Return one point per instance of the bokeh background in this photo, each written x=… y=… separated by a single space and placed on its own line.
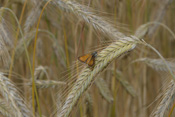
x=133 y=85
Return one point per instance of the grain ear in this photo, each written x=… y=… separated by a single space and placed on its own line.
x=87 y=75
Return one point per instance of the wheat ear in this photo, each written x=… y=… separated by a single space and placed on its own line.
x=33 y=16
x=104 y=89
x=161 y=12
x=90 y=17
x=42 y=84
x=157 y=64
x=87 y=75
x=5 y=109
x=11 y=94
x=167 y=101
x=127 y=86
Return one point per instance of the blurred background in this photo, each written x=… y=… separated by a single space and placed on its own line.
x=133 y=85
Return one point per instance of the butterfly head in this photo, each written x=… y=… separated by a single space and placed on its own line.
x=94 y=54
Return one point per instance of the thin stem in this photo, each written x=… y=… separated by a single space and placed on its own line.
x=148 y=45
x=34 y=91
x=16 y=40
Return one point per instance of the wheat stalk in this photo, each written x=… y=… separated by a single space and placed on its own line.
x=87 y=75
x=11 y=94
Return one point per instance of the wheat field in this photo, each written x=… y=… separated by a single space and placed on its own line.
x=87 y=58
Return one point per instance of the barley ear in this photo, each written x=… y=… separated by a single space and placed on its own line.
x=87 y=75
x=12 y=95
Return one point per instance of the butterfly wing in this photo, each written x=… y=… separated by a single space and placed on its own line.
x=91 y=61
x=88 y=59
x=85 y=58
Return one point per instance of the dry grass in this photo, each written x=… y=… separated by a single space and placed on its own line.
x=120 y=83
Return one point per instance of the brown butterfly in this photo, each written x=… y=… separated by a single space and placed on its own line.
x=88 y=59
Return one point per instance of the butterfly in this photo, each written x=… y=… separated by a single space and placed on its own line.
x=89 y=59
